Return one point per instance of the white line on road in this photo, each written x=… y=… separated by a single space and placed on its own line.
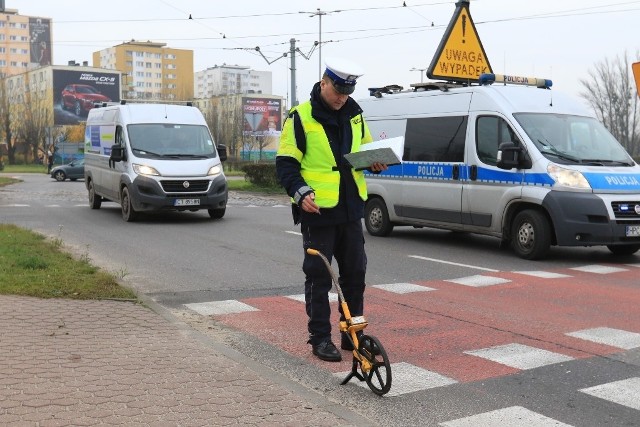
x=453 y=263
x=297 y=233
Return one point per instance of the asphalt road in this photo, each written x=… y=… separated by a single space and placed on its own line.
x=485 y=335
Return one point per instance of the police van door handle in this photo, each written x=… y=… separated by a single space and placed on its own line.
x=455 y=172
x=473 y=173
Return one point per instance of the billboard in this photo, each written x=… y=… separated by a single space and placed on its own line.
x=40 y=41
x=76 y=91
x=262 y=116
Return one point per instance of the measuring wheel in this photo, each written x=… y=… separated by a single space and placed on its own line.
x=373 y=365
x=379 y=376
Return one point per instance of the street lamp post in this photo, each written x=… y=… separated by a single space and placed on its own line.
x=319 y=13
x=422 y=70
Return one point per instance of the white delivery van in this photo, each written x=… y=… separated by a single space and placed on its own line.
x=150 y=157
x=525 y=164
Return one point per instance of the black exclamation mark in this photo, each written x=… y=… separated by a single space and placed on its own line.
x=464 y=26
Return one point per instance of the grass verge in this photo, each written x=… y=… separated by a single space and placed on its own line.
x=32 y=265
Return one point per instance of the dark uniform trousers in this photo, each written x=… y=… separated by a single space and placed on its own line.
x=345 y=243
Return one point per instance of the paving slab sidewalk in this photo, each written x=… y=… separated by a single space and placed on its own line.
x=68 y=362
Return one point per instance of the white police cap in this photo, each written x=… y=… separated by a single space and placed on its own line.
x=343 y=73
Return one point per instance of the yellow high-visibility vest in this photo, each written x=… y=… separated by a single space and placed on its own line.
x=318 y=165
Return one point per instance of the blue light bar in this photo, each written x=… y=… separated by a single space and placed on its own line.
x=487 y=79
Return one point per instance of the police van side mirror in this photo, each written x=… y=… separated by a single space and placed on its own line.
x=222 y=152
x=509 y=155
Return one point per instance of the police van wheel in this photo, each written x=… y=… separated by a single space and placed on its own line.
x=94 y=200
x=128 y=212
x=623 y=249
x=376 y=218
x=530 y=234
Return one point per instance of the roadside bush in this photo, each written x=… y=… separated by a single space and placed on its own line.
x=261 y=174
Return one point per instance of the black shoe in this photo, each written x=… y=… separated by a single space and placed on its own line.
x=327 y=351
x=345 y=343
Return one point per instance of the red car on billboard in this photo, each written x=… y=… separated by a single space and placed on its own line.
x=81 y=98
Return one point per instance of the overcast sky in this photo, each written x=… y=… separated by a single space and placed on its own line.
x=558 y=40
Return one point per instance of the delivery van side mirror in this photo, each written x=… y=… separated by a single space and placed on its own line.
x=509 y=155
x=222 y=152
x=117 y=154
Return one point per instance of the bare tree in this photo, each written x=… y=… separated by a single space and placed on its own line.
x=5 y=119
x=611 y=93
x=31 y=117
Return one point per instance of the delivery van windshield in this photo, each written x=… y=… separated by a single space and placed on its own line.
x=567 y=139
x=174 y=141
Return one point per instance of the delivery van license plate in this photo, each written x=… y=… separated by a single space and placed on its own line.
x=633 y=230
x=186 y=202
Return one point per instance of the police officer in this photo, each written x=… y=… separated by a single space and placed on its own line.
x=328 y=196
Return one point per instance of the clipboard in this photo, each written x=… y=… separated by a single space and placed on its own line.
x=387 y=151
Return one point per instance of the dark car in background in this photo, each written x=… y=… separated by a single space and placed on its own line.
x=81 y=98
x=72 y=171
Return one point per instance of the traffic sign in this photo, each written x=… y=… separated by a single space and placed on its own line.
x=460 y=56
x=636 y=73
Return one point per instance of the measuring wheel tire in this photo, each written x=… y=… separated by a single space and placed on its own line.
x=379 y=377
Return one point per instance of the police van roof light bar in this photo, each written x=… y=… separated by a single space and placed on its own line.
x=487 y=79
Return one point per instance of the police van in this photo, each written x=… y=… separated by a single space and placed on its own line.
x=506 y=157
x=151 y=157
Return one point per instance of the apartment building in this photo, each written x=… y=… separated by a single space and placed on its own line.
x=25 y=42
x=150 y=70
x=225 y=79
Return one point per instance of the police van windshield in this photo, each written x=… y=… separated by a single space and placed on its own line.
x=569 y=139
x=175 y=141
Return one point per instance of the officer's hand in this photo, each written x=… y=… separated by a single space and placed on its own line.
x=309 y=205
x=378 y=167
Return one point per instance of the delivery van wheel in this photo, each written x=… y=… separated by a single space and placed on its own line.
x=128 y=212
x=623 y=249
x=216 y=213
x=376 y=218
x=95 y=201
x=530 y=234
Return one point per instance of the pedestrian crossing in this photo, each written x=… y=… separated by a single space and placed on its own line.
x=441 y=333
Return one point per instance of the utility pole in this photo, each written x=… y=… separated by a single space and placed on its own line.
x=292 y=51
x=294 y=98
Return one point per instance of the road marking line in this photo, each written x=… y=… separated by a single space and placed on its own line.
x=599 y=269
x=623 y=392
x=220 y=307
x=297 y=233
x=453 y=263
x=403 y=288
x=609 y=336
x=520 y=356
x=512 y=416
x=543 y=274
x=407 y=378
x=479 y=281
x=333 y=297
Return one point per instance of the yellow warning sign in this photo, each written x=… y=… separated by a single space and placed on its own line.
x=636 y=74
x=460 y=56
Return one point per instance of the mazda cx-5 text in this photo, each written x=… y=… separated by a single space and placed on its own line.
x=81 y=98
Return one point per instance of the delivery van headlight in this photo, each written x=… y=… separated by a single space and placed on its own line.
x=567 y=177
x=215 y=170
x=145 y=170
